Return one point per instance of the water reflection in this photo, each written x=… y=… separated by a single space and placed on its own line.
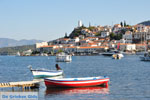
x=19 y=95
x=82 y=90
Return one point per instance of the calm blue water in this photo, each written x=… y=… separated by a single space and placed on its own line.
x=129 y=77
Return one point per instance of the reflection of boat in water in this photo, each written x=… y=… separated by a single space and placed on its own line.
x=19 y=95
x=140 y=53
x=117 y=56
x=62 y=57
x=77 y=82
x=81 y=90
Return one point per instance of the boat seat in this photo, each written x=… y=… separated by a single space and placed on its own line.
x=75 y=79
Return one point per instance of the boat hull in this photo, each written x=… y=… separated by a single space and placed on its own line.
x=43 y=74
x=107 y=54
x=76 y=82
x=63 y=58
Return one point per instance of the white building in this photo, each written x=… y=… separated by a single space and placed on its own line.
x=38 y=45
x=130 y=47
x=141 y=28
x=79 y=23
x=90 y=34
x=108 y=28
x=104 y=34
x=148 y=36
x=73 y=41
x=116 y=28
x=128 y=37
x=127 y=47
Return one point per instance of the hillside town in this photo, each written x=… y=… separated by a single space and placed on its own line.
x=97 y=39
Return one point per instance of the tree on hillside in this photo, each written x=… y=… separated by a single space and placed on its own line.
x=65 y=35
x=91 y=28
x=98 y=34
x=76 y=32
x=125 y=24
x=112 y=36
x=123 y=31
x=115 y=37
x=121 y=24
x=118 y=36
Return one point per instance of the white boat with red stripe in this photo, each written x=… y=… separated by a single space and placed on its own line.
x=77 y=82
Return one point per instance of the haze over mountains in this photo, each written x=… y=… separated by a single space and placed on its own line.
x=6 y=42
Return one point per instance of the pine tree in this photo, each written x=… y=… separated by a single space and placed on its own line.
x=89 y=24
x=65 y=35
x=125 y=24
x=121 y=24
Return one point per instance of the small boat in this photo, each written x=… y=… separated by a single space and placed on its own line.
x=18 y=54
x=117 y=56
x=43 y=54
x=146 y=57
x=110 y=53
x=42 y=73
x=62 y=57
x=77 y=82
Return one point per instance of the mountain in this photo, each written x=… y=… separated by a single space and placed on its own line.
x=5 y=42
x=146 y=23
x=14 y=50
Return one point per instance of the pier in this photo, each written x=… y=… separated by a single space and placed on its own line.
x=23 y=84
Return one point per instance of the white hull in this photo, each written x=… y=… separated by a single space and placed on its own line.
x=63 y=58
x=44 y=73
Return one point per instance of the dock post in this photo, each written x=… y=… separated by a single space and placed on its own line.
x=22 y=88
x=12 y=88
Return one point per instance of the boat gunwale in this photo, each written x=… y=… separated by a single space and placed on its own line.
x=78 y=79
x=52 y=71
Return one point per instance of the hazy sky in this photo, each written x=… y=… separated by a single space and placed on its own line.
x=50 y=19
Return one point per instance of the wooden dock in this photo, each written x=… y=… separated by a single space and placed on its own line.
x=23 y=84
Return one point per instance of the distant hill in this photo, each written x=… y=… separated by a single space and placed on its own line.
x=5 y=42
x=14 y=50
x=146 y=23
x=76 y=32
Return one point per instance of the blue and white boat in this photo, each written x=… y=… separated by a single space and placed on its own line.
x=42 y=73
x=146 y=57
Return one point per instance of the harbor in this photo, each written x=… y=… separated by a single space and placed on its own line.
x=128 y=76
x=74 y=50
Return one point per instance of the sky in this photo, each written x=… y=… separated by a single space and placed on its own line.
x=51 y=19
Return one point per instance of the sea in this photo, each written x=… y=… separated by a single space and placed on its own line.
x=129 y=77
